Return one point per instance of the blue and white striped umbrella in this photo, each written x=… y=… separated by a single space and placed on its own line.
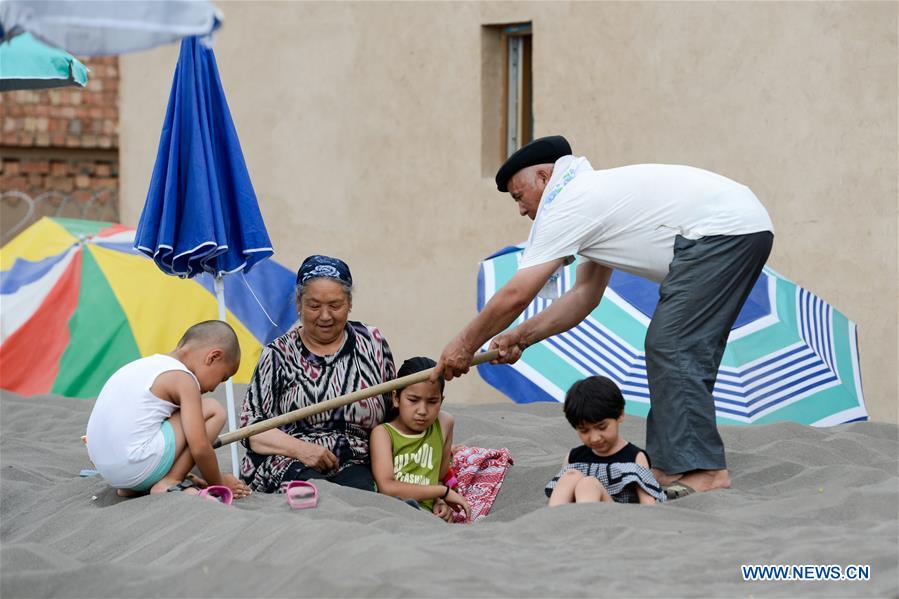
x=790 y=355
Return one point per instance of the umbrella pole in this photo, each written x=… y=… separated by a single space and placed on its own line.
x=229 y=384
x=343 y=400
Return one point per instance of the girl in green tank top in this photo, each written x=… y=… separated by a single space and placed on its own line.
x=410 y=455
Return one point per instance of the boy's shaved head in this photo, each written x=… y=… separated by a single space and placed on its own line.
x=213 y=333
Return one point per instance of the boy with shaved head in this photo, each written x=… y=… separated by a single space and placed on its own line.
x=151 y=425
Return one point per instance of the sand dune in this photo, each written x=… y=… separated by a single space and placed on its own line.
x=800 y=496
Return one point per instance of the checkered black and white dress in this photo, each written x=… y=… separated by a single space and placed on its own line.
x=619 y=473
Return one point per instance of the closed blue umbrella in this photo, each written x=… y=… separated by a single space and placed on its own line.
x=201 y=213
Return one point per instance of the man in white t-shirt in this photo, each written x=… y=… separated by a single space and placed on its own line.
x=703 y=237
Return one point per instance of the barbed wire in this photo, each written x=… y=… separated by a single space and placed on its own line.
x=24 y=210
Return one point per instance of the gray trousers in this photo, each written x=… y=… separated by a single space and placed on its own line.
x=699 y=301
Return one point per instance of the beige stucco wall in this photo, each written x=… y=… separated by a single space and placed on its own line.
x=362 y=128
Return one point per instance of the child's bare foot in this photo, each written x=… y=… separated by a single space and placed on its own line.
x=126 y=493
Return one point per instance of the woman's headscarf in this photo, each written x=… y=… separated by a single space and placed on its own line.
x=318 y=266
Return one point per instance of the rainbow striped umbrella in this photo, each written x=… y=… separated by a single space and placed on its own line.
x=79 y=302
x=790 y=356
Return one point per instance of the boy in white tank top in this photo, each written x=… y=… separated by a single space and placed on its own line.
x=150 y=425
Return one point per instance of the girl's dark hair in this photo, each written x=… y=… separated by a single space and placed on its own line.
x=593 y=399
x=417 y=364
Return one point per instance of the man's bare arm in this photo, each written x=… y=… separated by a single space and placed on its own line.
x=502 y=309
x=563 y=314
x=572 y=308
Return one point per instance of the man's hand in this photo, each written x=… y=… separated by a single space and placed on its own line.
x=501 y=311
x=237 y=486
x=454 y=361
x=316 y=456
x=510 y=346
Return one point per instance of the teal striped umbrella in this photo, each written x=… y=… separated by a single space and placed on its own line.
x=26 y=63
x=790 y=355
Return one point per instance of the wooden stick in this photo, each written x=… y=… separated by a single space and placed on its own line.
x=337 y=402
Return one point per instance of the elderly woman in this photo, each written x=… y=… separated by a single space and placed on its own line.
x=322 y=357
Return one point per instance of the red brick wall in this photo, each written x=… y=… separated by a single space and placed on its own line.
x=63 y=140
x=71 y=175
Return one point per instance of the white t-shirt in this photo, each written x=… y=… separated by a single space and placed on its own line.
x=124 y=436
x=627 y=218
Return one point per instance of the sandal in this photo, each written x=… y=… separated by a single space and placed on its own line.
x=677 y=490
x=218 y=493
x=301 y=494
x=182 y=486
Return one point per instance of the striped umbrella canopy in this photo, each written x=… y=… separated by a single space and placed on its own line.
x=79 y=302
x=790 y=355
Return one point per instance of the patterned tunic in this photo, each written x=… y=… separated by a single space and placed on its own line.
x=289 y=377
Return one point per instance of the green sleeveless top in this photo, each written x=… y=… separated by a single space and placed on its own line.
x=416 y=458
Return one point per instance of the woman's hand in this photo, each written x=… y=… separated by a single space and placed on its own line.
x=442 y=510
x=237 y=486
x=457 y=502
x=316 y=456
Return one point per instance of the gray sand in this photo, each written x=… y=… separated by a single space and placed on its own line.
x=800 y=496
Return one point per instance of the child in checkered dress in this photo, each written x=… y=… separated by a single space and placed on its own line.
x=606 y=467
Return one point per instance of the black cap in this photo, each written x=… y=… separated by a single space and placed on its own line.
x=543 y=150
